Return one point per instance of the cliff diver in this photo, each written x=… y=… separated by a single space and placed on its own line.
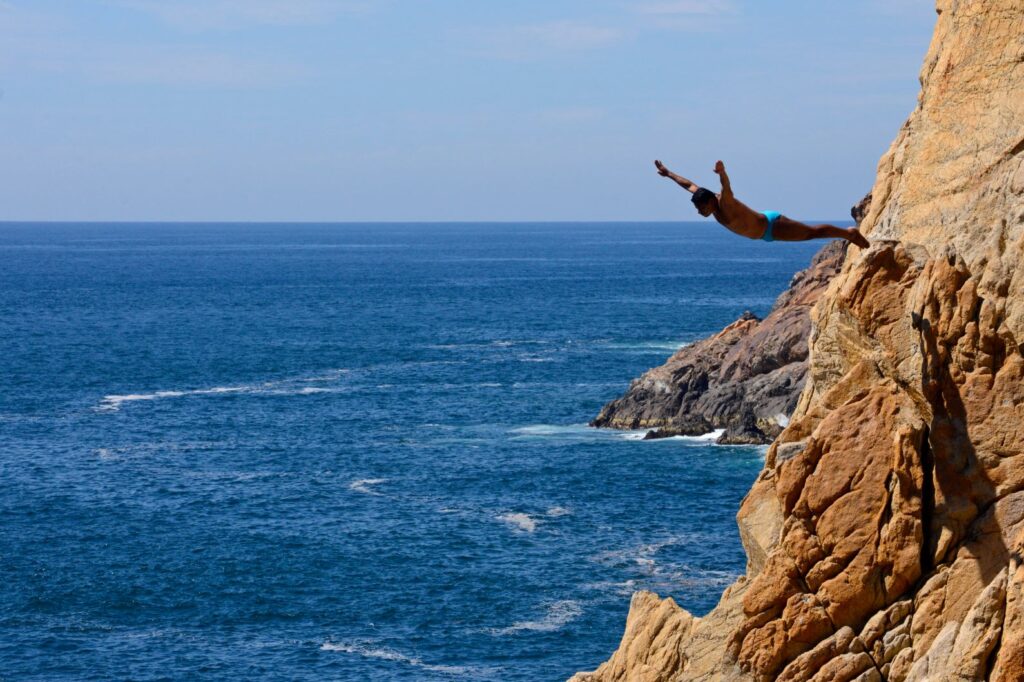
x=745 y=221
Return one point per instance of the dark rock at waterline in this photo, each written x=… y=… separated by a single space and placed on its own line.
x=746 y=379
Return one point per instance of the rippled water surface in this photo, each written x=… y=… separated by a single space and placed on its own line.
x=353 y=452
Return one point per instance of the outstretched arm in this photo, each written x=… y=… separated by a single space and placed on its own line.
x=678 y=179
x=726 y=185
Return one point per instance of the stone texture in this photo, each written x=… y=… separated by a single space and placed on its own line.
x=885 y=535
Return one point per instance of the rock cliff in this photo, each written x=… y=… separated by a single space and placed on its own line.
x=885 y=535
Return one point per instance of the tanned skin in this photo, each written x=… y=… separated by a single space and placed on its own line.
x=745 y=221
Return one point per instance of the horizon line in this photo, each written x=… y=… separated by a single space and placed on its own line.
x=371 y=222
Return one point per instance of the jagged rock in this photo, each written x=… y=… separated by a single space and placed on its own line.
x=892 y=505
x=654 y=626
x=746 y=379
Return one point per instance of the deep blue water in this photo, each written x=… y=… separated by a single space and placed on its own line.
x=353 y=452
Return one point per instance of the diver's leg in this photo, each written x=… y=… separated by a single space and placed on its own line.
x=789 y=230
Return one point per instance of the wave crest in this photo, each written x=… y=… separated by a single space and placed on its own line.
x=559 y=614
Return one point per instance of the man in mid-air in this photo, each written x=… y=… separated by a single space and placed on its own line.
x=743 y=220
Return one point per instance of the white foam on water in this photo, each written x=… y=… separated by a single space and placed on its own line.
x=657 y=345
x=640 y=555
x=632 y=435
x=555 y=512
x=330 y=375
x=112 y=403
x=659 y=576
x=556 y=431
x=386 y=654
x=623 y=588
x=711 y=437
x=535 y=358
x=296 y=386
x=590 y=433
x=691 y=577
x=521 y=521
x=308 y=390
x=364 y=485
x=559 y=614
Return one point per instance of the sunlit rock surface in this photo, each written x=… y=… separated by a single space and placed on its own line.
x=885 y=535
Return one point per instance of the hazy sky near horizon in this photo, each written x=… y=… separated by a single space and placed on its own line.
x=365 y=110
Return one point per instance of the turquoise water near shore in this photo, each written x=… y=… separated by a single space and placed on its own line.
x=353 y=451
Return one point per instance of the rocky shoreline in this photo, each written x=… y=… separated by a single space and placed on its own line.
x=746 y=379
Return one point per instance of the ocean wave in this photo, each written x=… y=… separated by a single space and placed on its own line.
x=555 y=512
x=385 y=654
x=710 y=437
x=637 y=555
x=558 y=615
x=523 y=522
x=659 y=576
x=555 y=431
x=295 y=386
x=646 y=347
x=585 y=432
x=365 y=486
x=622 y=588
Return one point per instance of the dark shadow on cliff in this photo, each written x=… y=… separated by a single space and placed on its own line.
x=958 y=496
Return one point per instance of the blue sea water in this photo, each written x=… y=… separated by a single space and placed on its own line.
x=353 y=452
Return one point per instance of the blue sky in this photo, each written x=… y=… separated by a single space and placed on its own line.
x=353 y=110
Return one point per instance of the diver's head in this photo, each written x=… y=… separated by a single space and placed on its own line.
x=705 y=201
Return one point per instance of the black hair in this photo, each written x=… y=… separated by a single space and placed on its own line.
x=701 y=196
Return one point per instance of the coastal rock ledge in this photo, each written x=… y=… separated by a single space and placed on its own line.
x=746 y=379
x=885 y=535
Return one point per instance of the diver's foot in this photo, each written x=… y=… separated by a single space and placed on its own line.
x=662 y=171
x=857 y=238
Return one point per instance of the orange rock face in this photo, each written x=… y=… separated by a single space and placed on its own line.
x=885 y=535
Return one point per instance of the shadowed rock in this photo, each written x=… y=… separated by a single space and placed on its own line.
x=746 y=379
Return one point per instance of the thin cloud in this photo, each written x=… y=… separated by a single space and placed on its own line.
x=685 y=15
x=194 y=68
x=171 y=66
x=687 y=8
x=544 y=40
x=202 y=15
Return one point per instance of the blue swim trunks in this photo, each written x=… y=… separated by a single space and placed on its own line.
x=772 y=216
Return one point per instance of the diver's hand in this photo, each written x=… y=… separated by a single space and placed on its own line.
x=719 y=167
x=662 y=171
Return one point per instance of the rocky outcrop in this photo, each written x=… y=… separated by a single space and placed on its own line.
x=885 y=535
x=746 y=379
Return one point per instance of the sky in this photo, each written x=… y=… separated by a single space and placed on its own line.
x=446 y=110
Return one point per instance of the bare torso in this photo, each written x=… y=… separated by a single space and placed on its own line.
x=740 y=218
x=737 y=217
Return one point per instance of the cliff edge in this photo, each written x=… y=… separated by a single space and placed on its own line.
x=885 y=535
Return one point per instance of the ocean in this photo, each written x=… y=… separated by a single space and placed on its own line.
x=354 y=452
